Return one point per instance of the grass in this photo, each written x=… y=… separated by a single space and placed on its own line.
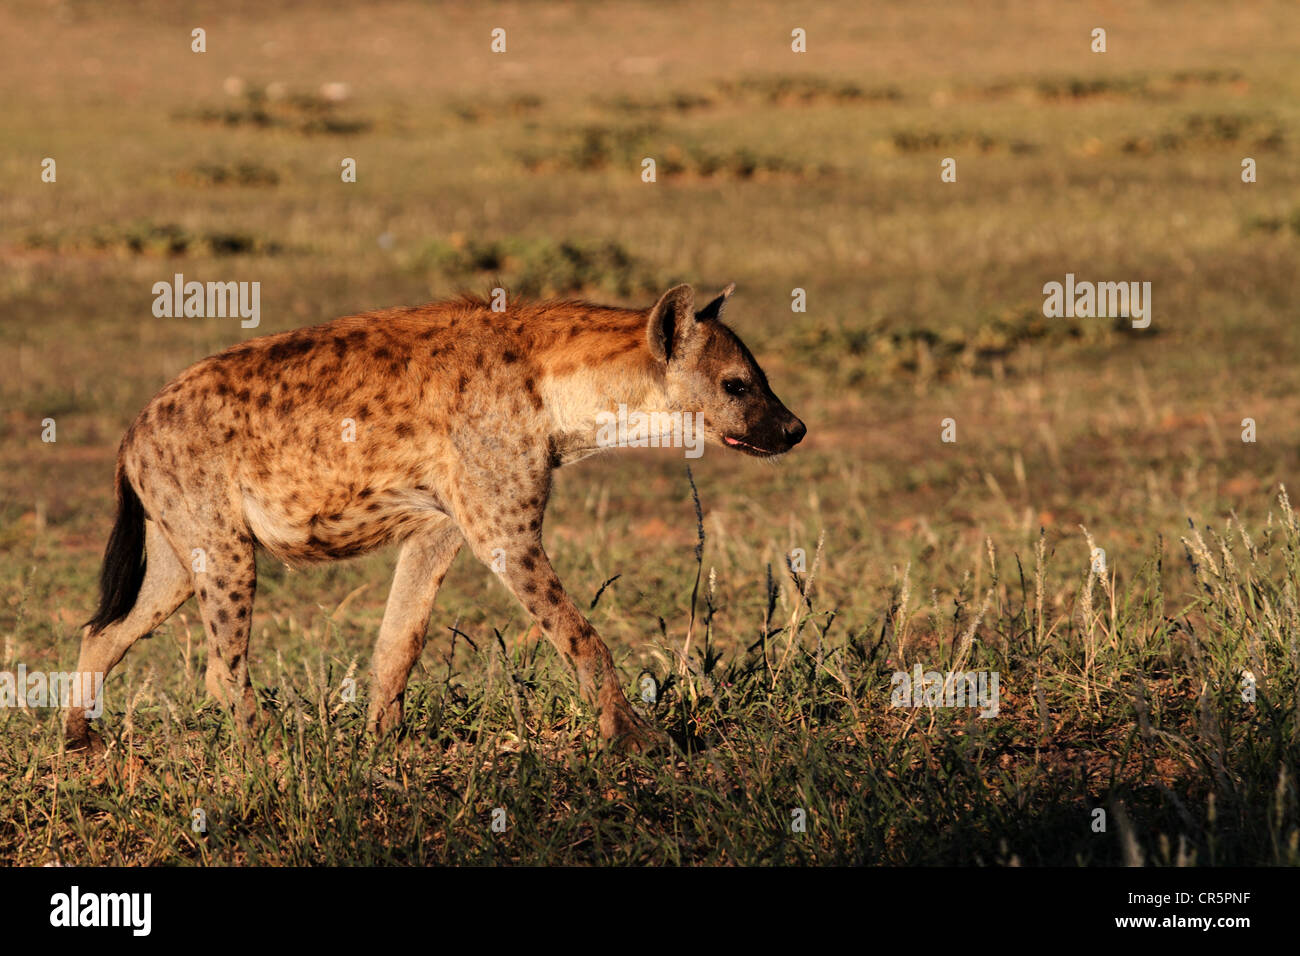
x=875 y=547
x=1123 y=702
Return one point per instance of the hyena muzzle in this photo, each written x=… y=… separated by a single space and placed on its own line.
x=431 y=427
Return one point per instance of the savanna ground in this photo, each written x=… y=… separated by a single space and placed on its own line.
x=1121 y=690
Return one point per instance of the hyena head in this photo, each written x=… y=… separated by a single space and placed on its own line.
x=708 y=370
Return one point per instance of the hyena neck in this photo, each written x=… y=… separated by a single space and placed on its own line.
x=612 y=373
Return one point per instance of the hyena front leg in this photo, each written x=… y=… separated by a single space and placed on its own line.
x=421 y=566
x=166 y=587
x=505 y=534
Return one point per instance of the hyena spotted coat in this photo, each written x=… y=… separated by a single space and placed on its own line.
x=431 y=427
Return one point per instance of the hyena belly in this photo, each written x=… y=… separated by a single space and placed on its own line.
x=361 y=525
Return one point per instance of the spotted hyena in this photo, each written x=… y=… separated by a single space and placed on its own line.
x=431 y=427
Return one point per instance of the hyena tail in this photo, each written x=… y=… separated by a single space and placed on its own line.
x=123 y=570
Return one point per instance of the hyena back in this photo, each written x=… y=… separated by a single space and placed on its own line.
x=434 y=427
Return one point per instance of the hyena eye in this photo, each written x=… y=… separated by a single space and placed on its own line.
x=733 y=386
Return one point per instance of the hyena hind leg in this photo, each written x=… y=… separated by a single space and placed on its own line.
x=226 y=586
x=166 y=586
x=421 y=567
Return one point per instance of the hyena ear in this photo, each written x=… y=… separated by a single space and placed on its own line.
x=713 y=310
x=671 y=321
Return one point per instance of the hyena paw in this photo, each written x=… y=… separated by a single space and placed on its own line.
x=84 y=742
x=383 y=721
x=631 y=734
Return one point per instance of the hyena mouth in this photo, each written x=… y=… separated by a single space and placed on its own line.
x=747 y=447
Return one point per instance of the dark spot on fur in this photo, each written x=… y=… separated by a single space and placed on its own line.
x=287 y=349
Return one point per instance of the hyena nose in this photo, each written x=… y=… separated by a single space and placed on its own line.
x=795 y=431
